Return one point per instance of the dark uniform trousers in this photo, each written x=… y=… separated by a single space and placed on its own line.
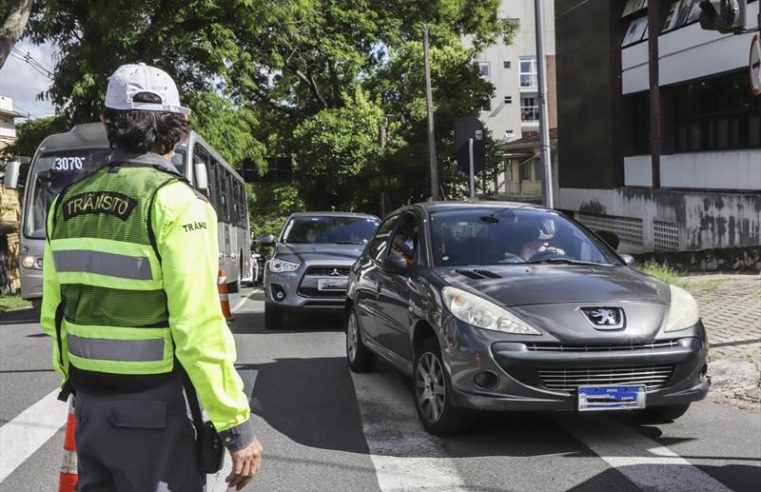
x=137 y=442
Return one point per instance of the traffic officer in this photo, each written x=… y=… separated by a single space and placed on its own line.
x=130 y=296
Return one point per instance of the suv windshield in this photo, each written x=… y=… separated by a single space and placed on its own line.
x=50 y=173
x=329 y=229
x=490 y=236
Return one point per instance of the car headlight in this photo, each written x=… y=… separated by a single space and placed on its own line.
x=479 y=312
x=683 y=311
x=279 y=266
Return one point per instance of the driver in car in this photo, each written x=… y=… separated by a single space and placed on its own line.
x=542 y=234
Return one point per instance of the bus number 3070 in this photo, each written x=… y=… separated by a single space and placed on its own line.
x=68 y=163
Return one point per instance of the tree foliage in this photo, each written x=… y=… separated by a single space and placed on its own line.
x=337 y=83
x=14 y=14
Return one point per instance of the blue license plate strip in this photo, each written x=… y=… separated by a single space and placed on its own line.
x=596 y=398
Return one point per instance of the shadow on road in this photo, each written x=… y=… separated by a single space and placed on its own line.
x=20 y=316
x=253 y=323
x=311 y=401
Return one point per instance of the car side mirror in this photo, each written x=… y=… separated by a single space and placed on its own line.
x=628 y=260
x=12 y=170
x=395 y=264
x=610 y=237
x=268 y=240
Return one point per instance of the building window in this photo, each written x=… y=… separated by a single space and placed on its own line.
x=509 y=135
x=506 y=64
x=486 y=106
x=508 y=99
x=525 y=171
x=682 y=13
x=716 y=114
x=484 y=70
x=528 y=72
x=529 y=109
x=637 y=31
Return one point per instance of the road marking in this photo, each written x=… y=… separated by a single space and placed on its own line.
x=644 y=462
x=24 y=435
x=243 y=301
x=396 y=439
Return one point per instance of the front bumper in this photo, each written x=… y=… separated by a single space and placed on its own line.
x=527 y=375
x=300 y=293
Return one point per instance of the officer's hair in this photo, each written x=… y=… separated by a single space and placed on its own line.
x=143 y=131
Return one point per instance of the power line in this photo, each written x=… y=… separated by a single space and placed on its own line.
x=36 y=66
x=29 y=55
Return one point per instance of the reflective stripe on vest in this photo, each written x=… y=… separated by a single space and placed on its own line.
x=116 y=350
x=110 y=349
x=113 y=265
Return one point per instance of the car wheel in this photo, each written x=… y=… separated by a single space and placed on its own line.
x=359 y=357
x=433 y=393
x=273 y=318
x=663 y=415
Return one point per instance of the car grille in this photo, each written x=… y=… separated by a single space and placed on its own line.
x=327 y=271
x=555 y=347
x=652 y=377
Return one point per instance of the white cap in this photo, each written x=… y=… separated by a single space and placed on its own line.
x=130 y=80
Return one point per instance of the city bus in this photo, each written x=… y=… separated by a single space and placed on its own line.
x=65 y=157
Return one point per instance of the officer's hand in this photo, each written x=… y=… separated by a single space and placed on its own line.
x=246 y=462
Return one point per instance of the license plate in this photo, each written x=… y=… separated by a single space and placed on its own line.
x=593 y=398
x=333 y=284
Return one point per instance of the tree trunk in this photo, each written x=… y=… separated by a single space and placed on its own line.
x=13 y=26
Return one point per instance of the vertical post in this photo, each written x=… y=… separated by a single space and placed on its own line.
x=472 y=170
x=544 y=129
x=654 y=29
x=429 y=103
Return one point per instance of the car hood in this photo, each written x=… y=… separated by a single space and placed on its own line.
x=519 y=285
x=320 y=251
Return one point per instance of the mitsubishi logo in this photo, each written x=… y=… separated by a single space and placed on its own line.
x=605 y=318
x=335 y=273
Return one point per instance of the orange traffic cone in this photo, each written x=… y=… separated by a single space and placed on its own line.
x=224 y=300
x=68 y=476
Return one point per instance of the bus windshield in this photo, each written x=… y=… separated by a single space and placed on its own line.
x=49 y=174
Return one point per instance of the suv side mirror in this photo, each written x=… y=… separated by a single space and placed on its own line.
x=610 y=237
x=725 y=16
x=628 y=260
x=12 y=170
x=395 y=264
x=268 y=240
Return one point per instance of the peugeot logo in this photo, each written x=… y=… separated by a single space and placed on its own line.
x=605 y=318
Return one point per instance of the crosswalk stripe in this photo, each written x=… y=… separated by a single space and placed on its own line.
x=32 y=428
x=644 y=462
x=405 y=456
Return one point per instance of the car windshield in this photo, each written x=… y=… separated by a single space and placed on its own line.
x=329 y=229
x=491 y=236
x=51 y=172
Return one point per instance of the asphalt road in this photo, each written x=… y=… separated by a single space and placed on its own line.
x=325 y=429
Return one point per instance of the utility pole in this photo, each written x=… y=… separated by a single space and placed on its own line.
x=429 y=102
x=544 y=129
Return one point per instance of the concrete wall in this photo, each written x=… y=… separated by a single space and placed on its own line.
x=702 y=219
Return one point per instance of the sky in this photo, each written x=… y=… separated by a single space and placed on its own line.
x=22 y=83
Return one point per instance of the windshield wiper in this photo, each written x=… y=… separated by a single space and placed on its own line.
x=349 y=242
x=568 y=261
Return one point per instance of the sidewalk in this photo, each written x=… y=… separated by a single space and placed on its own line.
x=731 y=309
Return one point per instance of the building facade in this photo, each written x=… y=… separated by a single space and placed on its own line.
x=7 y=123
x=513 y=113
x=662 y=134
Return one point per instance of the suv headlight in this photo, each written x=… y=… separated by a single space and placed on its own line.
x=32 y=262
x=280 y=266
x=683 y=310
x=479 y=312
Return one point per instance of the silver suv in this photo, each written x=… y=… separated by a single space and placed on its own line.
x=309 y=269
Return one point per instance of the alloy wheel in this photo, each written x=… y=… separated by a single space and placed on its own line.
x=430 y=387
x=352 y=336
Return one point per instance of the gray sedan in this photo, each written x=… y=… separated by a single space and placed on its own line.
x=500 y=306
x=310 y=267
